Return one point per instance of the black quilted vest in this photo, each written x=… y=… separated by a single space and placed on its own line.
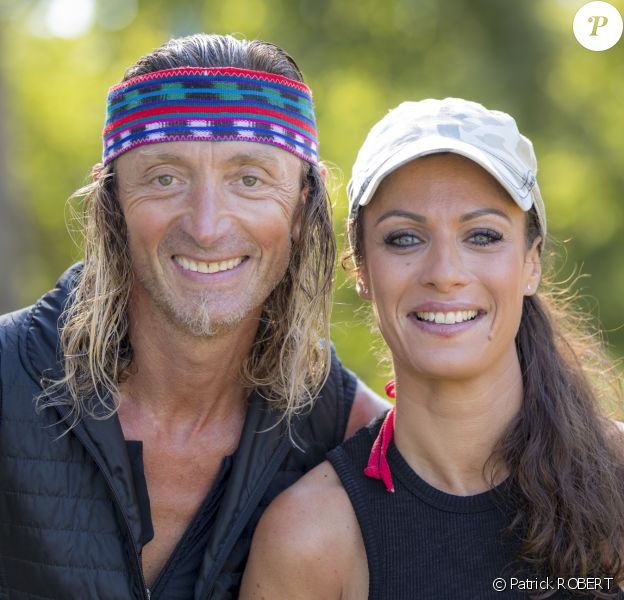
x=70 y=526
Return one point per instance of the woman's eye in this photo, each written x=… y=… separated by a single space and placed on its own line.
x=485 y=237
x=402 y=239
x=249 y=180
x=165 y=180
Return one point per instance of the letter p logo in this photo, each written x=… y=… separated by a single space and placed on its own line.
x=598 y=22
x=597 y=26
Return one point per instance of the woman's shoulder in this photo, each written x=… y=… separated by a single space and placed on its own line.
x=317 y=502
x=308 y=532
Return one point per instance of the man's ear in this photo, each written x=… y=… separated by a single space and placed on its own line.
x=295 y=230
x=303 y=198
x=532 y=268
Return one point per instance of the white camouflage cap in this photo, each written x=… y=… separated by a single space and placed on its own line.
x=415 y=129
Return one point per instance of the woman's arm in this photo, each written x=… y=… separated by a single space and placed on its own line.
x=308 y=545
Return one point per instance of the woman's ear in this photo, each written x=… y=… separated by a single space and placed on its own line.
x=361 y=284
x=533 y=268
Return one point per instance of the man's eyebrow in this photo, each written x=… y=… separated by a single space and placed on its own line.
x=402 y=213
x=475 y=214
x=159 y=154
x=241 y=158
x=259 y=157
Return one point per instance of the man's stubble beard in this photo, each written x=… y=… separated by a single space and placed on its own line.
x=194 y=317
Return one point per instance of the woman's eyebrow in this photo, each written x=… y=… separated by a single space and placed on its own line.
x=482 y=212
x=402 y=213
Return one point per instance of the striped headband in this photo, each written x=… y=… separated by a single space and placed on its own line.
x=222 y=103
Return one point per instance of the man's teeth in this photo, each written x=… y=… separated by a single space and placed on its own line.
x=208 y=267
x=448 y=318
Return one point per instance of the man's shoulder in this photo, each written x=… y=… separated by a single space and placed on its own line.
x=327 y=419
x=346 y=402
x=59 y=292
x=340 y=382
x=34 y=329
x=10 y=325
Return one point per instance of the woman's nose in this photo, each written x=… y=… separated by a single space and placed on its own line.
x=444 y=267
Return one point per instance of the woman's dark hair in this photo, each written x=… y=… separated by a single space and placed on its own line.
x=564 y=456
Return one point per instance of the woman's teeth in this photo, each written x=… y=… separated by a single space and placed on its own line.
x=447 y=318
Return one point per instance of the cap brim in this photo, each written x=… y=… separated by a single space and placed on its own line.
x=436 y=145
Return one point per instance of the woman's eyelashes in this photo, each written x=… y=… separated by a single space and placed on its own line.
x=407 y=239
x=402 y=239
x=485 y=237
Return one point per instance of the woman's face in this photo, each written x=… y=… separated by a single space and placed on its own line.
x=446 y=265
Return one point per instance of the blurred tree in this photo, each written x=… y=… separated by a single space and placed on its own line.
x=13 y=235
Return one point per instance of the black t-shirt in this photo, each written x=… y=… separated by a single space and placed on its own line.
x=424 y=543
x=177 y=579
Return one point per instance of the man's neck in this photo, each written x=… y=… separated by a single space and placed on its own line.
x=181 y=379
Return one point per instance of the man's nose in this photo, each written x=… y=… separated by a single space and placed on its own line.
x=444 y=266
x=208 y=217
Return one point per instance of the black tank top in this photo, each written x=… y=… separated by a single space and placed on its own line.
x=422 y=543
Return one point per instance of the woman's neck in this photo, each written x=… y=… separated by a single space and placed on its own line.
x=447 y=430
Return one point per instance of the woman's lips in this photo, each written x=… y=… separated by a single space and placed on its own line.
x=446 y=323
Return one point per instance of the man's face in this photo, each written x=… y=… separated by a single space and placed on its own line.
x=209 y=228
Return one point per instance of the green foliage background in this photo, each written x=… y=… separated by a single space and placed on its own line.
x=360 y=58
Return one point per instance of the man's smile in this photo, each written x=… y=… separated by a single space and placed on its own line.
x=200 y=266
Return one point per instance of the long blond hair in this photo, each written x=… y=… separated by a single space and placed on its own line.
x=290 y=358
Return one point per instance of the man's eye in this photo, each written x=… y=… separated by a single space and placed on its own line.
x=165 y=180
x=249 y=180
